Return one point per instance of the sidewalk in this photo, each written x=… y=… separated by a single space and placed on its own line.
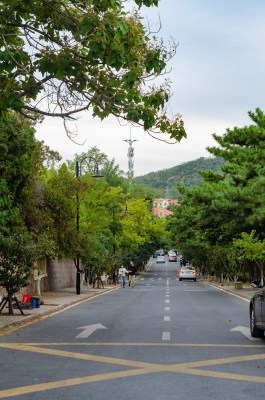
x=247 y=292
x=53 y=301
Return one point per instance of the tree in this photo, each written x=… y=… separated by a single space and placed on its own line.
x=17 y=256
x=17 y=145
x=113 y=176
x=253 y=249
x=34 y=213
x=108 y=234
x=59 y=58
x=9 y=215
x=225 y=205
x=16 y=248
x=59 y=209
x=19 y=249
x=243 y=149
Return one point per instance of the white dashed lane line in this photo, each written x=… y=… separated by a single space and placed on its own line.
x=166 y=336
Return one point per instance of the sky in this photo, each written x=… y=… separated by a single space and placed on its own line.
x=217 y=76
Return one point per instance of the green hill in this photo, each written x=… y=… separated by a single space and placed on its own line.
x=185 y=174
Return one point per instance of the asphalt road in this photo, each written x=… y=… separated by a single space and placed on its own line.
x=163 y=339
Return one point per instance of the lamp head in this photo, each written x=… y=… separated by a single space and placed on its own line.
x=97 y=175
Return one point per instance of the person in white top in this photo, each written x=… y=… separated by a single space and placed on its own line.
x=122 y=272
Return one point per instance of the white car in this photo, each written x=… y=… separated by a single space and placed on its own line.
x=172 y=257
x=187 y=273
x=160 y=259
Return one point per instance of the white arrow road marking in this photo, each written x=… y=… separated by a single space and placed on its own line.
x=245 y=331
x=88 y=330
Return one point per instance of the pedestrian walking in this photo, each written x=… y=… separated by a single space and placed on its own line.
x=132 y=273
x=122 y=274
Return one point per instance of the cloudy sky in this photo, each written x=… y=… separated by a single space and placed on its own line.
x=218 y=75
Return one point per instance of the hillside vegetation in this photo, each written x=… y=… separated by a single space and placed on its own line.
x=185 y=174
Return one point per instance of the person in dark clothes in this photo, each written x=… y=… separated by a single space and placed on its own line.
x=132 y=273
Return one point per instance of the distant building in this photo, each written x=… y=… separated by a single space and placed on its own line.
x=160 y=207
x=161 y=212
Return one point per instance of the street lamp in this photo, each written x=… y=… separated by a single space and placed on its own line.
x=97 y=176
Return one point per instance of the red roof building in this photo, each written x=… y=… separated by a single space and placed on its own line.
x=161 y=212
x=165 y=202
x=160 y=207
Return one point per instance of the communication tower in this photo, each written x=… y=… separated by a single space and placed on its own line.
x=130 y=154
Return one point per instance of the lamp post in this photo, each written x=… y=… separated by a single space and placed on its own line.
x=97 y=176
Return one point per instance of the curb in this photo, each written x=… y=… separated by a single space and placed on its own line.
x=237 y=294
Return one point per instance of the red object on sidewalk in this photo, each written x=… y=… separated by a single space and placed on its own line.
x=26 y=298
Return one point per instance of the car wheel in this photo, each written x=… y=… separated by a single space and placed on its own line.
x=255 y=332
x=194 y=279
x=180 y=279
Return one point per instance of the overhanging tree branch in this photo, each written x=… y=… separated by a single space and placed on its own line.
x=81 y=55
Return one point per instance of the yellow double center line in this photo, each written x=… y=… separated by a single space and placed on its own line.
x=141 y=367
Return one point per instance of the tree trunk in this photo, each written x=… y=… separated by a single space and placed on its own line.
x=38 y=289
x=261 y=277
x=82 y=279
x=10 y=305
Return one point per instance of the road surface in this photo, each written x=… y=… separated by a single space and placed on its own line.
x=162 y=339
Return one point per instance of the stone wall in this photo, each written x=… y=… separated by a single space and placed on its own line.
x=61 y=273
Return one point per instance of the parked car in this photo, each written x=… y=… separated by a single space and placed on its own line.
x=160 y=259
x=187 y=273
x=257 y=313
x=156 y=254
x=172 y=257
